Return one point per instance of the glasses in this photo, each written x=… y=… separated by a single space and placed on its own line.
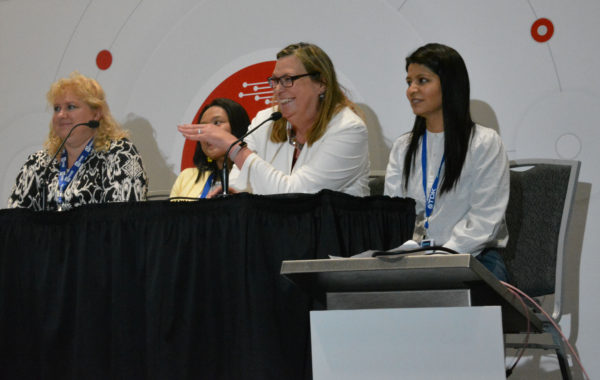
x=286 y=80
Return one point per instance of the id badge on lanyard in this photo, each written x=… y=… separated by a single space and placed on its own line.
x=65 y=177
x=207 y=185
x=429 y=198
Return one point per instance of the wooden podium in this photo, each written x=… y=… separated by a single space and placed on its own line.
x=438 y=316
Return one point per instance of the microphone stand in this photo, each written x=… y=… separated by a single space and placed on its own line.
x=44 y=181
x=225 y=171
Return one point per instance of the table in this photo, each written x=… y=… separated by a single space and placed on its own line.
x=175 y=290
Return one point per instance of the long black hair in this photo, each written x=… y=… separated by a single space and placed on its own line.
x=449 y=66
x=238 y=121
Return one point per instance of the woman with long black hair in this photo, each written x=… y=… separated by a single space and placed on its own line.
x=457 y=171
x=197 y=182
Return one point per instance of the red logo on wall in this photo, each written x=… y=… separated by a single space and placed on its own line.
x=248 y=86
x=542 y=30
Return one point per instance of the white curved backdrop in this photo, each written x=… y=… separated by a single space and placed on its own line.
x=168 y=56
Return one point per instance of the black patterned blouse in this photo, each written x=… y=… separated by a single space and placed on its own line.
x=114 y=175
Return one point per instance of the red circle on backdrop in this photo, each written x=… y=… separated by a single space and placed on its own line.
x=248 y=87
x=536 y=26
x=104 y=59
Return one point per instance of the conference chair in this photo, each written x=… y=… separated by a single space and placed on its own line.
x=539 y=208
x=158 y=195
x=377 y=182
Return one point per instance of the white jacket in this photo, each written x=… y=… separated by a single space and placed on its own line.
x=339 y=160
x=471 y=216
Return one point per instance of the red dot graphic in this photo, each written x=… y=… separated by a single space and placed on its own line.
x=104 y=59
x=544 y=26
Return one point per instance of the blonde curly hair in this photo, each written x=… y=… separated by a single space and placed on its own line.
x=90 y=92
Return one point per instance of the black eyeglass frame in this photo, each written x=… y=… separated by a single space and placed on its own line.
x=287 y=79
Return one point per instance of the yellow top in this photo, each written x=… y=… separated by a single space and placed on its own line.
x=185 y=185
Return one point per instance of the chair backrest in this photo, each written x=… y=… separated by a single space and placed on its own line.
x=158 y=195
x=537 y=217
x=376 y=184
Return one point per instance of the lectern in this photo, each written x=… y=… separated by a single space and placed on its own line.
x=439 y=316
x=437 y=280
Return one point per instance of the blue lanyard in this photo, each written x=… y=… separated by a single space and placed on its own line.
x=64 y=181
x=207 y=185
x=429 y=200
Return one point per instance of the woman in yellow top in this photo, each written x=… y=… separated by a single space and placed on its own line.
x=208 y=159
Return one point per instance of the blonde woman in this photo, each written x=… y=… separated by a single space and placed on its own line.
x=95 y=165
x=319 y=143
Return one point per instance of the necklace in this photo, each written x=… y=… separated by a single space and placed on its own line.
x=292 y=138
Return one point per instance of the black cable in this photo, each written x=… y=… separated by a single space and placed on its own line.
x=420 y=249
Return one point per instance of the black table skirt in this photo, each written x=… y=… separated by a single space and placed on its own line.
x=175 y=290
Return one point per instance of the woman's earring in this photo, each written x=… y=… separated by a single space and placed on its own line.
x=209 y=159
x=322 y=96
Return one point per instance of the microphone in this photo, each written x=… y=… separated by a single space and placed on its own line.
x=44 y=181
x=92 y=124
x=224 y=173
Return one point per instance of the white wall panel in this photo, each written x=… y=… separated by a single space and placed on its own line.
x=168 y=56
